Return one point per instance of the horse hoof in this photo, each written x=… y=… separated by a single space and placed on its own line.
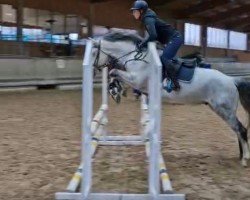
x=248 y=155
x=244 y=162
x=124 y=93
x=137 y=97
x=118 y=99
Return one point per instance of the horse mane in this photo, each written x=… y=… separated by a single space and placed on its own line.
x=115 y=36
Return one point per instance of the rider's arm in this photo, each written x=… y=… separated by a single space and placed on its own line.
x=149 y=23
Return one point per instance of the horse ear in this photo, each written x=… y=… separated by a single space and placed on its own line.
x=95 y=42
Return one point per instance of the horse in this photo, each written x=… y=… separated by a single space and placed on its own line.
x=220 y=92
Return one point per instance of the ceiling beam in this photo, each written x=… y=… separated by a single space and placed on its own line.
x=101 y=1
x=223 y=16
x=241 y=27
x=78 y=7
x=156 y=3
x=203 y=6
x=9 y=2
x=231 y=21
x=240 y=21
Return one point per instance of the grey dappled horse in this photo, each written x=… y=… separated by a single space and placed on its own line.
x=208 y=86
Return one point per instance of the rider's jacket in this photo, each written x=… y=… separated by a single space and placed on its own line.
x=158 y=30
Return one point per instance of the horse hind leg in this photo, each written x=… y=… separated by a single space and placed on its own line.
x=241 y=149
x=241 y=132
x=248 y=125
x=244 y=141
x=228 y=114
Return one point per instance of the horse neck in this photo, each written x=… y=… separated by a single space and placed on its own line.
x=120 y=50
x=117 y=49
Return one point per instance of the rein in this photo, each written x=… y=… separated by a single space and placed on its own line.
x=112 y=61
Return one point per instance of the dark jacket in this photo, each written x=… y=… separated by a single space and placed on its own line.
x=157 y=29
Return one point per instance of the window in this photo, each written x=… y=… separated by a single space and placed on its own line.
x=217 y=38
x=237 y=40
x=8 y=33
x=73 y=36
x=32 y=35
x=59 y=39
x=192 y=34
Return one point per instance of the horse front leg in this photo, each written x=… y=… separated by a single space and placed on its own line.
x=116 y=85
x=123 y=76
x=115 y=90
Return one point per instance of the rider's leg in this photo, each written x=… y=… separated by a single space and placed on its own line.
x=172 y=73
x=169 y=53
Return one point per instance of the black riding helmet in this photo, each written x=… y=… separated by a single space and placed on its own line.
x=140 y=5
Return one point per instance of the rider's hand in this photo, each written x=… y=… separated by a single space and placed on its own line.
x=139 y=46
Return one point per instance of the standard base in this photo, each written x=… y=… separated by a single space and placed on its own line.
x=108 y=196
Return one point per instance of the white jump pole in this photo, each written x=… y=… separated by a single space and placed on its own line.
x=97 y=130
x=87 y=109
x=105 y=96
x=154 y=88
x=105 y=86
x=144 y=116
x=153 y=148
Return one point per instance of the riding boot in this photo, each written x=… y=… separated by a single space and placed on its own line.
x=172 y=71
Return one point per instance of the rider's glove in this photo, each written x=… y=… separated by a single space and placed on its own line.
x=140 y=46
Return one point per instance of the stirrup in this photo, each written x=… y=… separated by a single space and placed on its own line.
x=168 y=85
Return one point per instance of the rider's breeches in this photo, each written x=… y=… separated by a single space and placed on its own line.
x=169 y=52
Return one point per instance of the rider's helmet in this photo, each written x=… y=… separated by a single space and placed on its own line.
x=140 y=5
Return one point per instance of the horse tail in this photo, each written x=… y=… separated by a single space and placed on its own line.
x=243 y=87
x=248 y=126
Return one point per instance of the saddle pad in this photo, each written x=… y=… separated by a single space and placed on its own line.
x=185 y=74
x=205 y=65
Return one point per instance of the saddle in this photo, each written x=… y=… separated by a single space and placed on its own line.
x=191 y=63
x=185 y=69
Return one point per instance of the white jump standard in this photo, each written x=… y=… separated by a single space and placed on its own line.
x=94 y=133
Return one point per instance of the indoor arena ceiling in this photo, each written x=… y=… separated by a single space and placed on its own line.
x=229 y=14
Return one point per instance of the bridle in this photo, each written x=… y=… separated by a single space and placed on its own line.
x=112 y=61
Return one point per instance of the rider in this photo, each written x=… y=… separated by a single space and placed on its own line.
x=160 y=31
